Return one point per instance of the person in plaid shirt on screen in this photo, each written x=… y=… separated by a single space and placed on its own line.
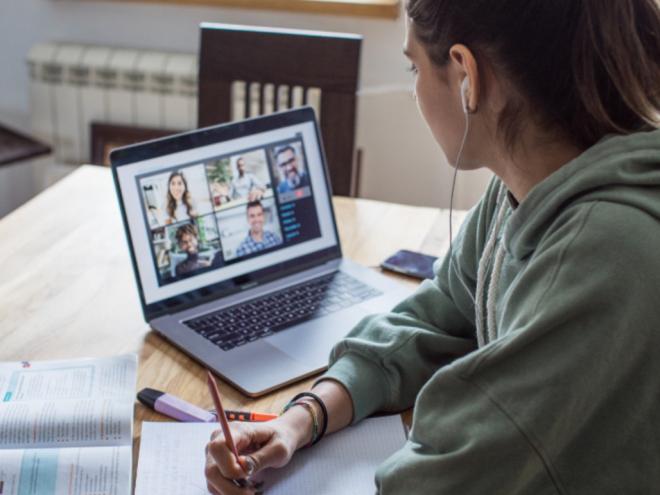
x=257 y=238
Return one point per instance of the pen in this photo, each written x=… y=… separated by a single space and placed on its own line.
x=179 y=409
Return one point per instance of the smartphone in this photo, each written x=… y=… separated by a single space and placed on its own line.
x=410 y=263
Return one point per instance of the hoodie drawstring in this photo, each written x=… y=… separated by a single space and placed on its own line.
x=489 y=333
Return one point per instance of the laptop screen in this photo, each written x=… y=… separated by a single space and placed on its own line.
x=241 y=199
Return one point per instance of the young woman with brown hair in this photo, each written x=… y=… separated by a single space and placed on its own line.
x=179 y=205
x=531 y=359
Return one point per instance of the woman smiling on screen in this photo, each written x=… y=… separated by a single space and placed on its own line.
x=179 y=205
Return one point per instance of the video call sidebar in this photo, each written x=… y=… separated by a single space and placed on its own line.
x=206 y=215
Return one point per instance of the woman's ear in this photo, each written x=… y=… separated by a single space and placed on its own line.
x=465 y=65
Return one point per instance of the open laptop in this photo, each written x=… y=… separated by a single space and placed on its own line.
x=235 y=249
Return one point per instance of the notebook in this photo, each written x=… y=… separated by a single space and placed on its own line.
x=172 y=460
x=66 y=427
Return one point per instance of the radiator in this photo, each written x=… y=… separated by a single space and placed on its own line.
x=73 y=85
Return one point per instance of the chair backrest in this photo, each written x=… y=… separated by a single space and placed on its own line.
x=281 y=61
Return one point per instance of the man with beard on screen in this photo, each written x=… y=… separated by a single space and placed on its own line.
x=292 y=176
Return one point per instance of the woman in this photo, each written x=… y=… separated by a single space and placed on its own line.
x=531 y=359
x=179 y=205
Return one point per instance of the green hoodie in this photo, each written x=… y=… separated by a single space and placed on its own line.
x=533 y=358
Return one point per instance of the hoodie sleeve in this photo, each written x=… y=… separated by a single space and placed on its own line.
x=568 y=390
x=384 y=361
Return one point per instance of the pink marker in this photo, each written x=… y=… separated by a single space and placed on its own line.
x=179 y=409
x=174 y=407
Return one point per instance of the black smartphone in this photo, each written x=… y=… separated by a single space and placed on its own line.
x=410 y=263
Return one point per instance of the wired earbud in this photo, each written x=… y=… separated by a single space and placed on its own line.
x=465 y=87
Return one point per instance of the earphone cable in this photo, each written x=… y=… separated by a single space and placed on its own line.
x=457 y=163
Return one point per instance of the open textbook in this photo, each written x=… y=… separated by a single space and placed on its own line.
x=66 y=427
x=172 y=460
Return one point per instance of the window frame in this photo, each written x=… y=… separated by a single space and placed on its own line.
x=384 y=9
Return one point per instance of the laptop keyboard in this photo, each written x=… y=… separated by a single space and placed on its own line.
x=237 y=325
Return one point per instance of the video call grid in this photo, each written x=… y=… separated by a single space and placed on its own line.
x=273 y=198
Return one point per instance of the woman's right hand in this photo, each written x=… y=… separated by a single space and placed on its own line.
x=260 y=445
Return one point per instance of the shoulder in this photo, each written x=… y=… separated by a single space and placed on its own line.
x=603 y=228
x=593 y=254
x=242 y=248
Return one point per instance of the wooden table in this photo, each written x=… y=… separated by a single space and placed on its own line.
x=67 y=288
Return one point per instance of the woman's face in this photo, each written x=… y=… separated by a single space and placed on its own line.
x=437 y=91
x=177 y=187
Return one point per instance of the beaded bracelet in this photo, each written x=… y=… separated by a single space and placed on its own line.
x=324 y=410
x=315 y=420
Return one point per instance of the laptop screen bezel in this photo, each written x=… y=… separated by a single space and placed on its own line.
x=127 y=155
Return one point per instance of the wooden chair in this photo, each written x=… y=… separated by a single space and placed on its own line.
x=284 y=59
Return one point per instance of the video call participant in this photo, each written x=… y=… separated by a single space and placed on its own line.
x=178 y=203
x=186 y=238
x=291 y=176
x=246 y=184
x=257 y=238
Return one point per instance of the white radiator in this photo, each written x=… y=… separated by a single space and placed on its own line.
x=73 y=85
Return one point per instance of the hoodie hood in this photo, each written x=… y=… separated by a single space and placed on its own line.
x=619 y=169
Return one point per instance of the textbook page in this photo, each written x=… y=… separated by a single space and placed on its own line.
x=172 y=460
x=88 y=471
x=73 y=403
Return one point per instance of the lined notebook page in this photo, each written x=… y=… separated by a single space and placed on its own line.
x=172 y=460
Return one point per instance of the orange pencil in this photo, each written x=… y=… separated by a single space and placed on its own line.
x=222 y=419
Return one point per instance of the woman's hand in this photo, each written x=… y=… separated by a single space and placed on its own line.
x=271 y=444
x=260 y=445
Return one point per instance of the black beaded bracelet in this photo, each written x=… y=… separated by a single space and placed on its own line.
x=324 y=410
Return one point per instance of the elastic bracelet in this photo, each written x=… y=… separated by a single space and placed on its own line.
x=324 y=410
x=315 y=420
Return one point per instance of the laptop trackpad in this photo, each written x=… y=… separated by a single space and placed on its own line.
x=263 y=369
x=311 y=342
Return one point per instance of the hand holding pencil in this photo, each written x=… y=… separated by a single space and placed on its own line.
x=235 y=455
x=238 y=451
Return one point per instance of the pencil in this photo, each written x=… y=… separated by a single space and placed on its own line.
x=222 y=417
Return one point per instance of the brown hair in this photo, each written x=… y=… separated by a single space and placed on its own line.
x=171 y=202
x=254 y=204
x=584 y=67
x=185 y=229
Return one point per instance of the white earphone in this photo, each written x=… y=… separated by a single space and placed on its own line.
x=465 y=87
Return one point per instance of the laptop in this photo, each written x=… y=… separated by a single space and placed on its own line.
x=235 y=250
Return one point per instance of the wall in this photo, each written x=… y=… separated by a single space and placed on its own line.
x=401 y=161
